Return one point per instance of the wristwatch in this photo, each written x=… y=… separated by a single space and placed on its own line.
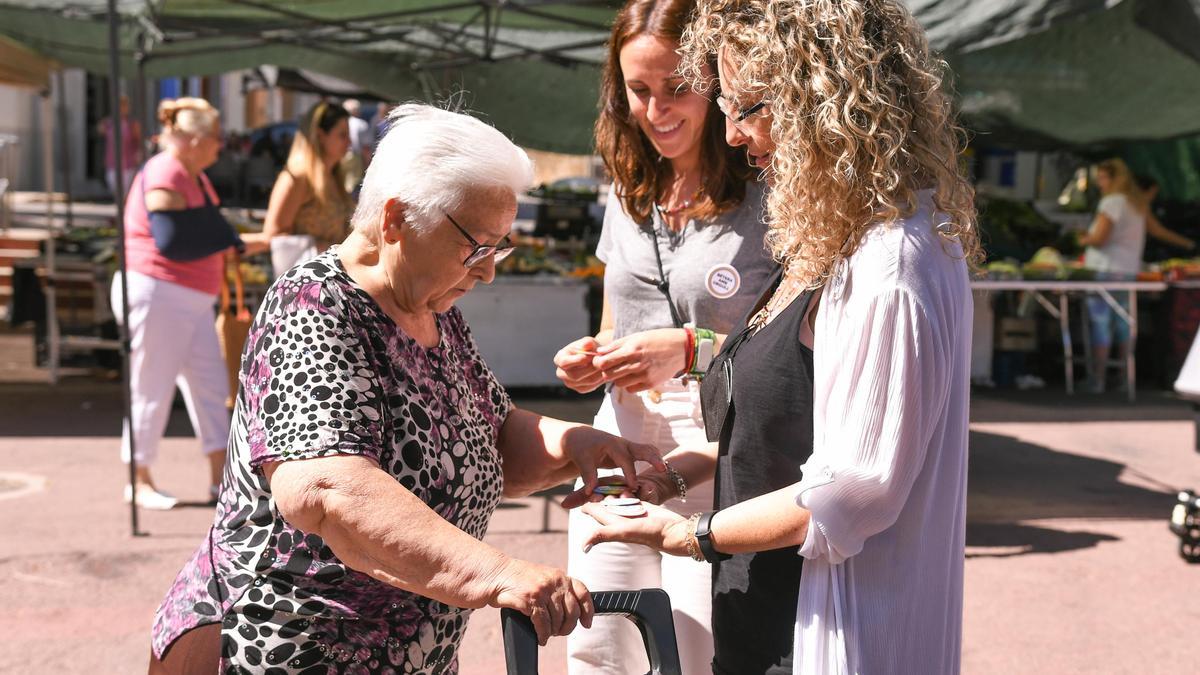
x=704 y=538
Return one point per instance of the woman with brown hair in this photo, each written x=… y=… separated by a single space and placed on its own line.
x=683 y=246
x=843 y=104
x=309 y=197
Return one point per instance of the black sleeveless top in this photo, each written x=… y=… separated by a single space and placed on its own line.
x=767 y=435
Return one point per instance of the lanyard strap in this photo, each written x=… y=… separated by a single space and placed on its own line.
x=663 y=285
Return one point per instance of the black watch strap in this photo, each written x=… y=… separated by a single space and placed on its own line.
x=704 y=538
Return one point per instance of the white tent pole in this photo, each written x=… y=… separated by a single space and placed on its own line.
x=52 y=328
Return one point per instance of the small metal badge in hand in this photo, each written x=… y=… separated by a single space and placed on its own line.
x=629 y=507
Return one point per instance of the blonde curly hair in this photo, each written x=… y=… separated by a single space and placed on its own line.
x=859 y=117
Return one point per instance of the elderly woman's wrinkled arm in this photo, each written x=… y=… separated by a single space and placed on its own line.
x=541 y=452
x=376 y=526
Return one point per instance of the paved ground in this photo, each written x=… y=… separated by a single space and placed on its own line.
x=1070 y=567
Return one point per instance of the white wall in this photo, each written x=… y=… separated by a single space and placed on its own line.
x=1037 y=176
x=233 y=102
x=21 y=114
x=74 y=97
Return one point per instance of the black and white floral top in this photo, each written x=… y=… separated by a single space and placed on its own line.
x=326 y=372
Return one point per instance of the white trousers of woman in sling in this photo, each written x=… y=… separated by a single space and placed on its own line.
x=173 y=342
x=613 y=646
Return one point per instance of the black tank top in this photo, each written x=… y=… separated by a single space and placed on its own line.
x=766 y=437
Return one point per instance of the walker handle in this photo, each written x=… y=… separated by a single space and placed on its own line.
x=649 y=609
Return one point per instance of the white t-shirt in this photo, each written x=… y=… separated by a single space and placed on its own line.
x=361 y=135
x=716 y=269
x=1123 y=251
x=886 y=483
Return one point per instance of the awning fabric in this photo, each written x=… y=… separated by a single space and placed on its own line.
x=22 y=67
x=1028 y=73
x=528 y=66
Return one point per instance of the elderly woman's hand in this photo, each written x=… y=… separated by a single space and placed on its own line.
x=590 y=449
x=553 y=601
x=573 y=365
x=655 y=487
x=660 y=529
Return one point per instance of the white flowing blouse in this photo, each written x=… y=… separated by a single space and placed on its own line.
x=886 y=484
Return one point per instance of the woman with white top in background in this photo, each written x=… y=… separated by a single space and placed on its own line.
x=843 y=105
x=1115 y=243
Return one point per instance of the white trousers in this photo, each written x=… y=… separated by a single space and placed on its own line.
x=613 y=645
x=173 y=341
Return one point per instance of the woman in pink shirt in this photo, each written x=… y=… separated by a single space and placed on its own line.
x=172 y=293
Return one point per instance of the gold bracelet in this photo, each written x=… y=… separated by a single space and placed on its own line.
x=690 y=543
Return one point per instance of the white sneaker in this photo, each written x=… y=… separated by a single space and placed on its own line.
x=1025 y=382
x=150 y=499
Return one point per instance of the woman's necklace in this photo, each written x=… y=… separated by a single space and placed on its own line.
x=675 y=229
x=787 y=291
x=681 y=206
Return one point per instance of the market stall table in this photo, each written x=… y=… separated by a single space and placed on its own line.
x=521 y=321
x=1038 y=289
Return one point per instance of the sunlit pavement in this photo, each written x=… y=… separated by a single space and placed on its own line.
x=1070 y=566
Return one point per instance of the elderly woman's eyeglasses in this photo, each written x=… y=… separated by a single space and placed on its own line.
x=482 y=251
x=735 y=114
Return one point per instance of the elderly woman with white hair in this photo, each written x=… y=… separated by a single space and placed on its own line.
x=372 y=443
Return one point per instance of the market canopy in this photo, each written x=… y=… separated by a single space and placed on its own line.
x=1047 y=72
x=1071 y=72
x=529 y=66
x=22 y=67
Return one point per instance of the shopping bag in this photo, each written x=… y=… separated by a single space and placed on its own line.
x=289 y=250
x=233 y=326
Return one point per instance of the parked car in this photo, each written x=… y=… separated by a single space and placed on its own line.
x=273 y=139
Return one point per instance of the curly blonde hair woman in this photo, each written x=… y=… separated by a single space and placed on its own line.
x=842 y=106
x=853 y=87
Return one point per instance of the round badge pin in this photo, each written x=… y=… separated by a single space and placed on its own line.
x=723 y=281
x=629 y=507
